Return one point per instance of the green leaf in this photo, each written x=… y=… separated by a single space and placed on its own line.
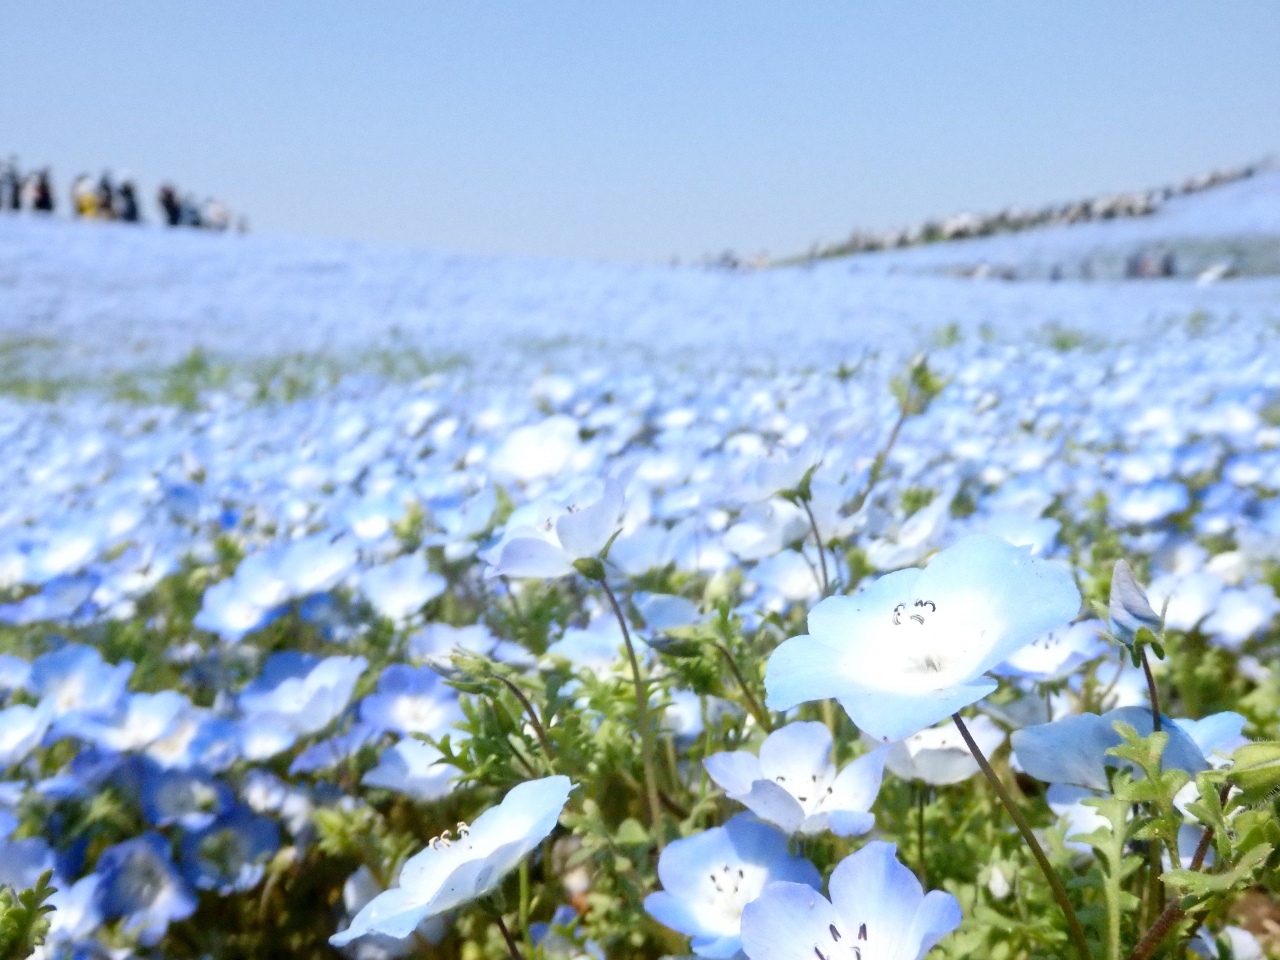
x=1199 y=885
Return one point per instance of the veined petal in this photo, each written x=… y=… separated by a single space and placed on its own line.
x=799 y=752
x=533 y=557
x=734 y=771
x=394 y=913
x=877 y=897
x=886 y=715
x=788 y=921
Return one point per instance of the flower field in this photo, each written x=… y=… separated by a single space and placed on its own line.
x=424 y=606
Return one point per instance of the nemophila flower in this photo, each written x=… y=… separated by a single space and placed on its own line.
x=139 y=720
x=665 y=611
x=75 y=679
x=596 y=648
x=1129 y=608
x=794 y=785
x=14 y=672
x=21 y=729
x=764 y=529
x=914 y=647
x=436 y=641
x=708 y=878
x=452 y=871
x=545 y=541
x=262 y=736
x=191 y=799
x=1242 y=944
x=1241 y=613
x=1189 y=599
x=399 y=589
x=415 y=769
x=302 y=693
x=138 y=881
x=357 y=892
x=411 y=700
x=877 y=911
x=75 y=912
x=198 y=738
x=1058 y=654
x=230 y=854
x=1217 y=736
x=334 y=750
x=916 y=538
x=1074 y=750
x=61 y=600
x=23 y=861
x=939 y=756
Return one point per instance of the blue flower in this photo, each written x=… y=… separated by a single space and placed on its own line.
x=302 y=693
x=402 y=587
x=708 y=878
x=1129 y=608
x=914 y=647
x=230 y=854
x=793 y=784
x=877 y=911
x=333 y=751
x=454 y=871
x=190 y=798
x=1074 y=750
x=138 y=882
x=411 y=700
x=415 y=769
x=21 y=730
x=75 y=679
x=139 y=720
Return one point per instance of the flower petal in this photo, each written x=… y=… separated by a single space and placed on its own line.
x=788 y=921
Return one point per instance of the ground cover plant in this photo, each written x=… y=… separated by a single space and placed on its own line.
x=970 y=652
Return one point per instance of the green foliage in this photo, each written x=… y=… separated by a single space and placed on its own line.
x=24 y=918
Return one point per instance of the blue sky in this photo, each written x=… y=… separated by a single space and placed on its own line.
x=635 y=130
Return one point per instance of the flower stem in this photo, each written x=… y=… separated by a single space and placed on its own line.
x=642 y=721
x=506 y=935
x=817 y=539
x=1151 y=692
x=1074 y=928
x=1173 y=913
x=538 y=728
x=757 y=709
x=922 y=791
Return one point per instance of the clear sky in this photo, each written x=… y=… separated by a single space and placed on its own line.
x=635 y=130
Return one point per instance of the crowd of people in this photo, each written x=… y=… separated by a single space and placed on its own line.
x=109 y=198
x=1136 y=204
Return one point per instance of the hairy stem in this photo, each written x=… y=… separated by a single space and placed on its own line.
x=506 y=935
x=922 y=791
x=1151 y=692
x=1074 y=928
x=642 y=721
x=754 y=705
x=538 y=728
x=1173 y=914
x=817 y=538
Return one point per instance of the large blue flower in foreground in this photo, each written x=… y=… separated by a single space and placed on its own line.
x=1074 y=750
x=794 y=784
x=877 y=911
x=709 y=878
x=914 y=647
x=453 y=871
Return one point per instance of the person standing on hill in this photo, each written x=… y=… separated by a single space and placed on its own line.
x=42 y=192
x=127 y=203
x=168 y=199
x=11 y=187
x=106 y=197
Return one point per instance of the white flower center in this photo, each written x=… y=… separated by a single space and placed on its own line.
x=838 y=943
x=728 y=891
